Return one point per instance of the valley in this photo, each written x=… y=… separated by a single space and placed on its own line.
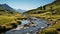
x=10 y=18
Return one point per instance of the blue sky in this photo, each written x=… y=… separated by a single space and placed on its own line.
x=25 y=4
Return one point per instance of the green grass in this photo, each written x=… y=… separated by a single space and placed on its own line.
x=49 y=31
x=9 y=19
x=5 y=19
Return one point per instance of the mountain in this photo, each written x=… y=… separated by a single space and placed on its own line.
x=53 y=7
x=6 y=10
x=20 y=10
x=49 y=11
x=6 y=7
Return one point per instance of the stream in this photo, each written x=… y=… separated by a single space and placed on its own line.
x=40 y=24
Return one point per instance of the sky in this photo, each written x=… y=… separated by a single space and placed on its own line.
x=25 y=4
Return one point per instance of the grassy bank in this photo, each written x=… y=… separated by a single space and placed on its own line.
x=8 y=22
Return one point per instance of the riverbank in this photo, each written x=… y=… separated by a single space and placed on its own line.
x=9 y=22
x=53 y=29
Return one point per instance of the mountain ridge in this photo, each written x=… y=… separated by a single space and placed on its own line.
x=20 y=10
x=54 y=5
x=7 y=10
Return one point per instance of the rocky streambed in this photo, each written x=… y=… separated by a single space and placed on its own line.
x=29 y=26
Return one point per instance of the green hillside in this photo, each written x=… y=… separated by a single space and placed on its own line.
x=51 y=13
x=52 y=6
x=51 y=10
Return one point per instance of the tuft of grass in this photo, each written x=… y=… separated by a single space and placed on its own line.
x=49 y=31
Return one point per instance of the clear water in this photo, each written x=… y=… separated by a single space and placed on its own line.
x=25 y=22
x=40 y=23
